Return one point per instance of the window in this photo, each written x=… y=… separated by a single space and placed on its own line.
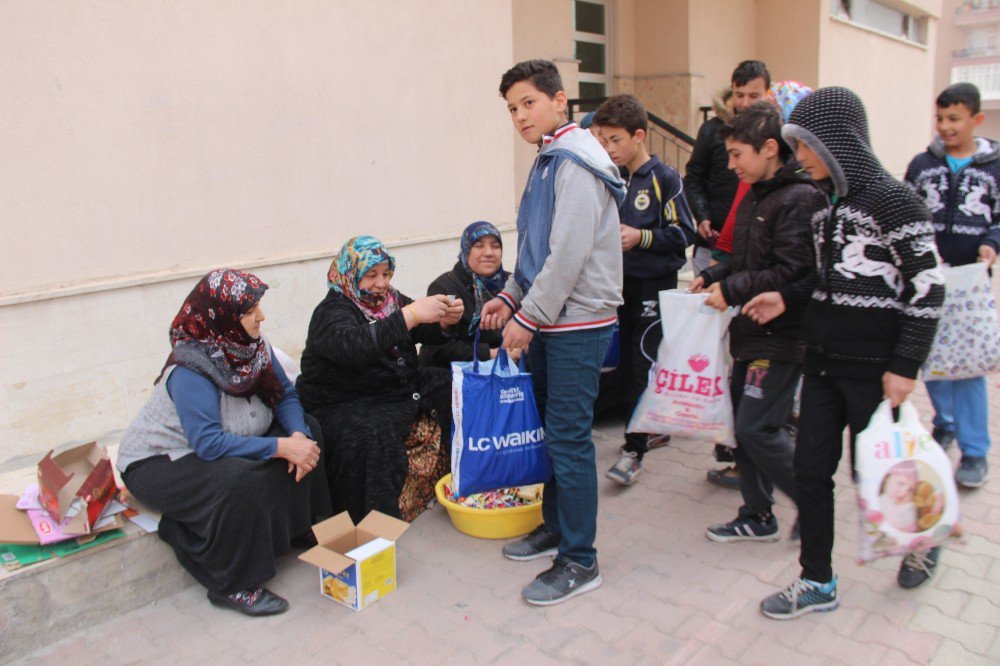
x=883 y=18
x=984 y=77
x=590 y=44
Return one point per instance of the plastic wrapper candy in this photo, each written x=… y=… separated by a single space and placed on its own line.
x=501 y=498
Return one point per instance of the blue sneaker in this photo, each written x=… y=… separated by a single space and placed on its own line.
x=801 y=597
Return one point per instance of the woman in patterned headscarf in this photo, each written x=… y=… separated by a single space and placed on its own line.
x=386 y=422
x=211 y=449
x=477 y=277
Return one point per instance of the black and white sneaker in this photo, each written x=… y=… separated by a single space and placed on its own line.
x=917 y=568
x=538 y=543
x=564 y=580
x=744 y=529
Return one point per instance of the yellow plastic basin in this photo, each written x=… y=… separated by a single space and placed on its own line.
x=489 y=523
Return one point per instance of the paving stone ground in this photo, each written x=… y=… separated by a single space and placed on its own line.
x=669 y=597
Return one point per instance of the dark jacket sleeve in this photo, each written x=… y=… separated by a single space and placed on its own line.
x=697 y=172
x=459 y=346
x=791 y=250
x=337 y=333
x=677 y=231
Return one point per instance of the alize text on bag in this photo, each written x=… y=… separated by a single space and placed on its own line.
x=902 y=448
x=510 y=439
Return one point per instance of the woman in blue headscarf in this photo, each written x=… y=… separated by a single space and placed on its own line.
x=477 y=276
x=386 y=422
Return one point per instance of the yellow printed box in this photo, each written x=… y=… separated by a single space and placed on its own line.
x=357 y=564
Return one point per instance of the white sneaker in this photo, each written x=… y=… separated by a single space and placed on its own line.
x=626 y=469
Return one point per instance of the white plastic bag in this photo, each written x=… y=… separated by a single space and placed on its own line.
x=967 y=343
x=688 y=391
x=907 y=499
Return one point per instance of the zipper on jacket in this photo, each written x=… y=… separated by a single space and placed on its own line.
x=952 y=188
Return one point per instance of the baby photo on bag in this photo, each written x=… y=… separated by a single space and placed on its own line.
x=907 y=498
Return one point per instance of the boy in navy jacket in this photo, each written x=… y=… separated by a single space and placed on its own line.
x=656 y=229
x=958 y=177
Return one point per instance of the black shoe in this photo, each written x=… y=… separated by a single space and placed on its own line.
x=943 y=437
x=564 y=580
x=254 y=603
x=744 y=529
x=972 y=472
x=917 y=568
x=539 y=543
x=727 y=477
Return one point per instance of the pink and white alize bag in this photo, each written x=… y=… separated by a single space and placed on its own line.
x=688 y=391
x=907 y=499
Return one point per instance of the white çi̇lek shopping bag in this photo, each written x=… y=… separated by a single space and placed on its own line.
x=907 y=499
x=967 y=343
x=688 y=391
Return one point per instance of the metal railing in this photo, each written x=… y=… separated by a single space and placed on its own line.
x=672 y=144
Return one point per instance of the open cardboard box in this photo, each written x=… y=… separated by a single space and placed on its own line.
x=82 y=473
x=15 y=526
x=357 y=565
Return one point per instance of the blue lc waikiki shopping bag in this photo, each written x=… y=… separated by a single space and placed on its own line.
x=497 y=438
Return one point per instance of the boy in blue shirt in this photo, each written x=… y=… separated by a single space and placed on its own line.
x=958 y=177
x=561 y=303
x=656 y=229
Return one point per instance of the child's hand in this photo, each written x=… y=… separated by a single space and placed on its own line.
x=987 y=255
x=715 y=298
x=630 y=237
x=516 y=336
x=706 y=231
x=495 y=314
x=762 y=308
x=697 y=285
x=897 y=388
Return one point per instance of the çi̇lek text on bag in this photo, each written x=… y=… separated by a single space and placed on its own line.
x=907 y=499
x=688 y=390
x=497 y=435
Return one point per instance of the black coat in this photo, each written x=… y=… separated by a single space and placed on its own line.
x=457 y=282
x=361 y=382
x=772 y=248
x=709 y=185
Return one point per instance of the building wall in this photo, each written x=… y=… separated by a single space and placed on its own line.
x=145 y=143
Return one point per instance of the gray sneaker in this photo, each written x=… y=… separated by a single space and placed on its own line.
x=626 y=469
x=538 y=543
x=972 y=472
x=564 y=580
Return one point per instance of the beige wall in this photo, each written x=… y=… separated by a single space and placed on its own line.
x=790 y=54
x=147 y=137
x=144 y=142
x=893 y=78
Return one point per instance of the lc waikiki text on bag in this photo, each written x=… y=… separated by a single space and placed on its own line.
x=907 y=499
x=497 y=435
x=967 y=342
x=688 y=391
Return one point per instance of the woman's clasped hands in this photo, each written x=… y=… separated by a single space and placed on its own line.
x=301 y=453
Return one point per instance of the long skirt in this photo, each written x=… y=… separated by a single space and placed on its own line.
x=229 y=519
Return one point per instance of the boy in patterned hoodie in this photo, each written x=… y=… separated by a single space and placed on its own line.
x=871 y=311
x=958 y=177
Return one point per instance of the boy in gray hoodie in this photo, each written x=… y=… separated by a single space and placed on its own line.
x=562 y=300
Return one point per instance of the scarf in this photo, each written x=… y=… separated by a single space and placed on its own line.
x=208 y=338
x=358 y=256
x=483 y=288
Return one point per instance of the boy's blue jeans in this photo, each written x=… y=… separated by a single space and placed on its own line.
x=566 y=372
x=961 y=406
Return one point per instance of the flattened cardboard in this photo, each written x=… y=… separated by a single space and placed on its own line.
x=82 y=472
x=15 y=527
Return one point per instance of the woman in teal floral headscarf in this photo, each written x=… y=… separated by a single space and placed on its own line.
x=386 y=422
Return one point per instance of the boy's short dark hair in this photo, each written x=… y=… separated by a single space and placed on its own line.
x=748 y=70
x=755 y=126
x=622 y=111
x=960 y=93
x=540 y=73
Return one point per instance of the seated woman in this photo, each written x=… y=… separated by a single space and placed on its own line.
x=211 y=451
x=386 y=422
x=477 y=277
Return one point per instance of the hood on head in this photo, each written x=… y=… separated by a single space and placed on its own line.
x=833 y=123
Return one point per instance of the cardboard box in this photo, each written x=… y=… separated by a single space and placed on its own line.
x=81 y=475
x=357 y=565
x=15 y=526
